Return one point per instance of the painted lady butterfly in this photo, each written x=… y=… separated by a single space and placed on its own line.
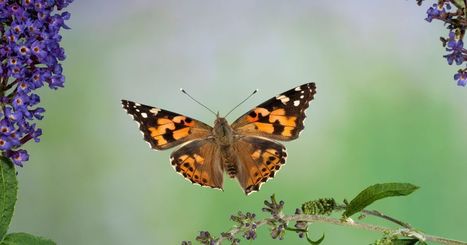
x=247 y=149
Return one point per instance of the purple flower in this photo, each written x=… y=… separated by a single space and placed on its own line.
x=455 y=45
x=454 y=42
x=436 y=11
x=5 y=127
x=461 y=78
x=30 y=53
x=5 y=143
x=37 y=48
x=56 y=81
x=37 y=113
x=453 y=18
x=13 y=116
x=18 y=157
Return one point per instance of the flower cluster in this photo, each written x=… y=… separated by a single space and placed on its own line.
x=204 y=238
x=29 y=59
x=453 y=13
x=247 y=223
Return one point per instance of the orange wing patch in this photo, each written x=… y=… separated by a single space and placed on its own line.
x=279 y=118
x=199 y=162
x=167 y=126
x=165 y=129
x=186 y=165
x=275 y=122
x=168 y=130
x=181 y=133
x=259 y=160
x=268 y=162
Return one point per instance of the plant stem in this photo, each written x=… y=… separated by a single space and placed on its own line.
x=349 y=223
x=380 y=215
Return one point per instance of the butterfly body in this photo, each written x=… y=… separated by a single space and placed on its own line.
x=223 y=132
x=247 y=149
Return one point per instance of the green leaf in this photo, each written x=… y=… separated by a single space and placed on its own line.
x=376 y=192
x=22 y=238
x=8 y=191
x=404 y=241
x=317 y=242
x=459 y=4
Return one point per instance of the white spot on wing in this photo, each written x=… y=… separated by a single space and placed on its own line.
x=298 y=88
x=144 y=115
x=154 y=111
x=296 y=102
x=302 y=96
x=284 y=99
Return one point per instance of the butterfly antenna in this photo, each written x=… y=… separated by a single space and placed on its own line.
x=183 y=91
x=254 y=92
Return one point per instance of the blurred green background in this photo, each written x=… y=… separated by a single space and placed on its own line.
x=386 y=110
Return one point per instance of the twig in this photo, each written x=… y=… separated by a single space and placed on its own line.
x=380 y=215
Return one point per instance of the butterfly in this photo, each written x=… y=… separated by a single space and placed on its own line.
x=248 y=149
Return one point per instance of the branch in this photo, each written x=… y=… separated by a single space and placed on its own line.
x=349 y=223
x=379 y=215
x=318 y=211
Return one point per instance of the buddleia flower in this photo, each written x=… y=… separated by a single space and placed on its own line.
x=30 y=56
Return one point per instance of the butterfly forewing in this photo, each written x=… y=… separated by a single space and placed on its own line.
x=279 y=118
x=164 y=129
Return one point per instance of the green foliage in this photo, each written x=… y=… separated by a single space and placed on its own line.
x=319 y=211
x=8 y=191
x=317 y=242
x=459 y=3
x=406 y=241
x=322 y=206
x=21 y=238
x=395 y=240
x=376 y=192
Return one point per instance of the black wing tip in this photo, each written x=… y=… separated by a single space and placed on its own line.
x=126 y=103
x=311 y=86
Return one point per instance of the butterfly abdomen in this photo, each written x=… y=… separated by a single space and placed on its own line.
x=232 y=170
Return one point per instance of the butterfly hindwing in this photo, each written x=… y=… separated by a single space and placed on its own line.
x=164 y=129
x=199 y=161
x=259 y=159
x=279 y=118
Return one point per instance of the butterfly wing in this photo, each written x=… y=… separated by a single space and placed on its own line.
x=279 y=118
x=259 y=159
x=199 y=161
x=165 y=129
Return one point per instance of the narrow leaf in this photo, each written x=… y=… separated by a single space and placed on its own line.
x=8 y=191
x=22 y=238
x=404 y=241
x=317 y=242
x=376 y=192
x=460 y=4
